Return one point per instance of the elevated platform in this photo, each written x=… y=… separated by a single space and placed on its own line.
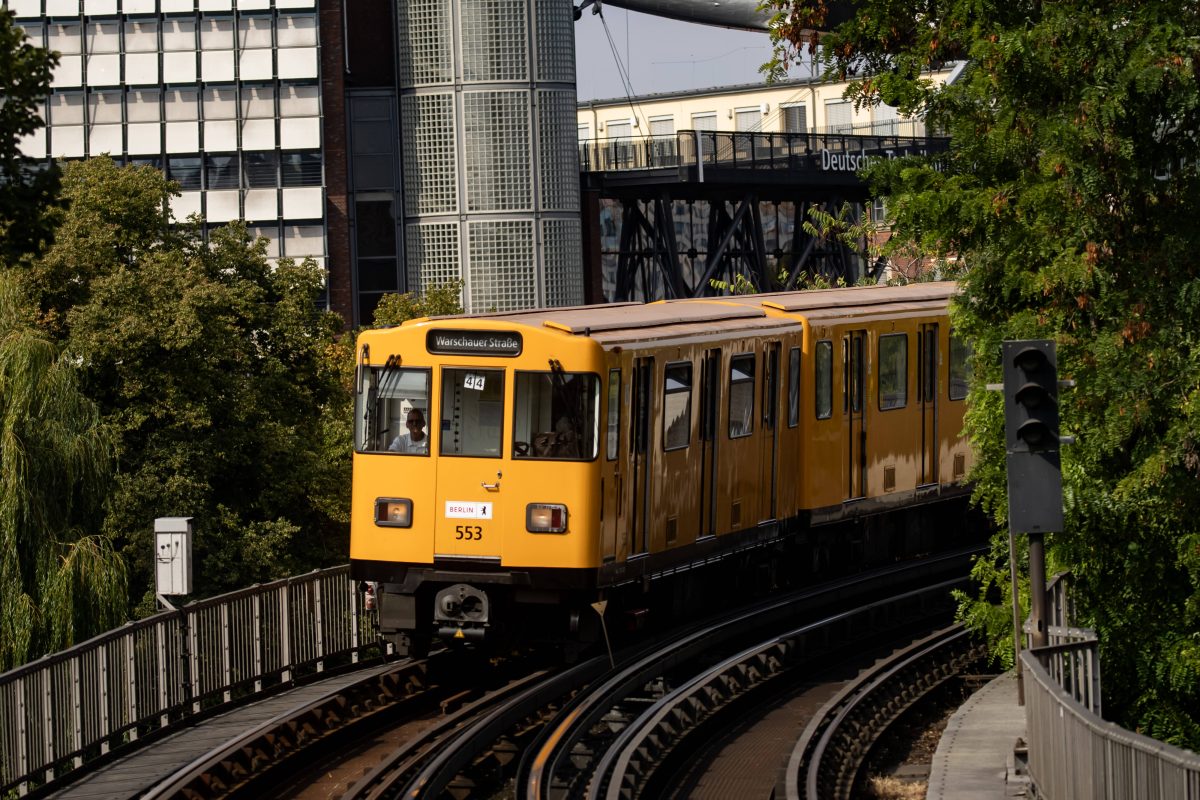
x=974 y=759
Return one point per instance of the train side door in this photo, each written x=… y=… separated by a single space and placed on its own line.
x=927 y=385
x=854 y=373
x=640 y=442
x=769 y=459
x=710 y=404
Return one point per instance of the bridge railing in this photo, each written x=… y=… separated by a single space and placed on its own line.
x=839 y=152
x=1073 y=752
x=70 y=707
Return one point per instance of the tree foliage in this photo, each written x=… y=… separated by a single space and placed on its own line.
x=24 y=193
x=59 y=580
x=1068 y=207
x=215 y=370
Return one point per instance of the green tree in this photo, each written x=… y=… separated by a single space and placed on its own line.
x=214 y=369
x=441 y=300
x=60 y=580
x=24 y=193
x=1068 y=207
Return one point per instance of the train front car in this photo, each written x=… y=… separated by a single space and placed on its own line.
x=476 y=479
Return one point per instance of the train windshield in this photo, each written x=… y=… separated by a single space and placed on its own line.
x=556 y=416
x=392 y=411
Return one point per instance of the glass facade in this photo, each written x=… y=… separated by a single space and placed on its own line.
x=224 y=95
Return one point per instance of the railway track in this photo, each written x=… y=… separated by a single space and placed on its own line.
x=560 y=732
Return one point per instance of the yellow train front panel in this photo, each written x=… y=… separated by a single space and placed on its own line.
x=468 y=434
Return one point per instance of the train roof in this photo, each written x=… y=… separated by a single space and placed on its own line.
x=615 y=322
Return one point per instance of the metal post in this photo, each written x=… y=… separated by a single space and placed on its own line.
x=1016 y=608
x=131 y=704
x=1037 y=587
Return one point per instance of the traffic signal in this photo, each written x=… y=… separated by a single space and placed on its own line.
x=1031 y=436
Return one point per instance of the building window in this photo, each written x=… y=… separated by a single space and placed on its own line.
x=585 y=132
x=704 y=122
x=839 y=116
x=261 y=169
x=221 y=171
x=662 y=126
x=184 y=170
x=747 y=120
x=302 y=169
x=620 y=130
x=795 y=119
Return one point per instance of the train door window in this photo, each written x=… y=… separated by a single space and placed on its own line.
x=741 y=396
x=928 y=391
x=614 y=414
x=472 y=421
x=960 y=360
x=855 y=369
x=893 y=371
x=824 y=379
x=677 y=406
x=556 y=415
x=771 y=386
x=793 y=387
x=386 y=397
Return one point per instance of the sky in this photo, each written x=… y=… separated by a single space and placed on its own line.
x=661 y=55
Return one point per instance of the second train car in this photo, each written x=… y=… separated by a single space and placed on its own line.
x=510 y=469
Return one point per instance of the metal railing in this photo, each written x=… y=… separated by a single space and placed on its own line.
x=1073 y=752
x=808 y=152
x=70 y=707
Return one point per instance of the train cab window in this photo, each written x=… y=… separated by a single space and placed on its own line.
x=823 y=366
x=893 y=371
x=472 y=421
x=677 y=406
x=960 y=360
x=614 y=414
x=793 y=387
x=388 y=398
x=741 y=396
x=556 y=415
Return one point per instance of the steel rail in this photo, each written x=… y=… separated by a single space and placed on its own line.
x=629 y=763
x=559 y=759
x=829 y=753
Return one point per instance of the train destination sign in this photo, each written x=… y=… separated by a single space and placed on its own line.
x=474 y=343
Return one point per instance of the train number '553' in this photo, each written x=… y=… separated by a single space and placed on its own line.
x=468 y=532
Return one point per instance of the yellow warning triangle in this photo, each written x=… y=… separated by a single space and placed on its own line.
x=459 y=634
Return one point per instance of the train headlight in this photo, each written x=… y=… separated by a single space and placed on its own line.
x=393 y=512
x=545 y=518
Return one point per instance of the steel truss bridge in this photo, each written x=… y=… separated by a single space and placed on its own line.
x=676 y=213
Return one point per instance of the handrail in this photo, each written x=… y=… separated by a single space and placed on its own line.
x=1075 y=753
x=70 y=707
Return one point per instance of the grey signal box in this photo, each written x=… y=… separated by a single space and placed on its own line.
x=173 y=555
x=1031 y=436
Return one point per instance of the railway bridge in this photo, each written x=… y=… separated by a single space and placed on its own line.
x=667 y=216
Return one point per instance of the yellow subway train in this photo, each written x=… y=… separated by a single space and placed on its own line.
x=510 y=469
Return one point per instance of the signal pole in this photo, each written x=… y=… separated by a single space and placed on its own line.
x=1031 y=433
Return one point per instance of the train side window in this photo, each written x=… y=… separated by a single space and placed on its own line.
x=556 y=415
x=823 y=366
x=893 y=371
x=614 y=413
x=472 y=412
x=741 y=396
x=387 y=396
x=960 y=361
x=677 y=406
x=793 y=387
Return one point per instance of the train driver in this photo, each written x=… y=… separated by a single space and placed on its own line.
x=415 y=441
